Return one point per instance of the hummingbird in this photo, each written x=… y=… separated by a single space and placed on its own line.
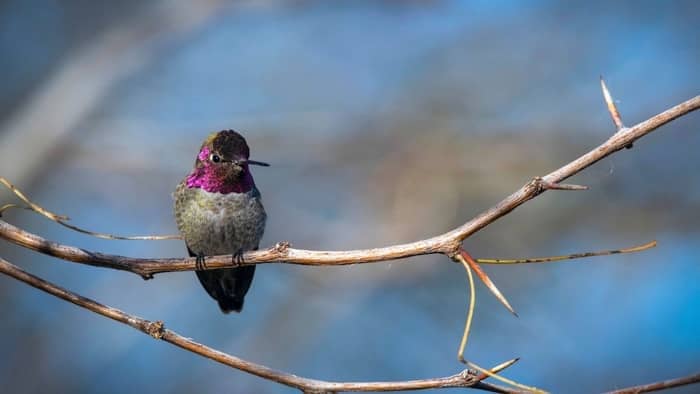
x=218 y=210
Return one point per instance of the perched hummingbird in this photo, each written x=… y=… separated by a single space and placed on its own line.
x=218 y=211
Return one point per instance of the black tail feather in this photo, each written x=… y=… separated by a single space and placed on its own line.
x=230 y=304
x=228 y=286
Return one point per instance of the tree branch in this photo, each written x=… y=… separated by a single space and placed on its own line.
x=157 y=330
x=448 y=243
x=662 y=385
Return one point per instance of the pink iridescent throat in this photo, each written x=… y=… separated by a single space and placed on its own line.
x=206 y=177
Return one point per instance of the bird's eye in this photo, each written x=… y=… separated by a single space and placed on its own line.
x=214 y=157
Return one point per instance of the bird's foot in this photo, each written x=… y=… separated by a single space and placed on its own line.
x=199 y=264
x=237 y=258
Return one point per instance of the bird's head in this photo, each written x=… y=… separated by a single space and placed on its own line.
x=222 y=164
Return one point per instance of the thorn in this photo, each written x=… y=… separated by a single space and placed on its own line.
x=498 y=368
x=486 y=280
x=612 y=108
x=562 y=186
x=541 y=185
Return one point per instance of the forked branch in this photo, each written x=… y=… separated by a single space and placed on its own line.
x=157 y=330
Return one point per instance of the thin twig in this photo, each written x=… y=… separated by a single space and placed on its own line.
x=470 y=310
x=7 y=207
x=61 y=219
x=34 y=207
x=572 y=256
x=157 y=330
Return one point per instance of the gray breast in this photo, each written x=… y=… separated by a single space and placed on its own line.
x=215 y=223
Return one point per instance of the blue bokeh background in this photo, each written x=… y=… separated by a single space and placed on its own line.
x=385 y=122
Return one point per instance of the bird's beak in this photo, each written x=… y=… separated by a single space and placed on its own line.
x=257 y=163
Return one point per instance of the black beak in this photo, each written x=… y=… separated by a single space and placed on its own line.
x=250 y=162
x=257 y=163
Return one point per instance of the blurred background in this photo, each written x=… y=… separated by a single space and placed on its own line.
x=385 y=122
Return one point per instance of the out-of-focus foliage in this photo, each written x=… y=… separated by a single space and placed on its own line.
x=385 y=121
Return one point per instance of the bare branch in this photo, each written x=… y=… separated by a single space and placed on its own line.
x=447 y=243
x=662 y=385
x=157 y=330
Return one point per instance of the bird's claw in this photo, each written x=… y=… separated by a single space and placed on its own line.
x=237 y=258
x=199 y=264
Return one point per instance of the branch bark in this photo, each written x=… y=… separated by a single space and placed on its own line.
x=448 y=243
